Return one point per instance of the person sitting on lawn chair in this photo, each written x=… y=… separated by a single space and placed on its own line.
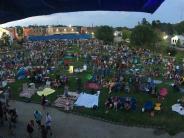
x=109 y=103
x=127 y=104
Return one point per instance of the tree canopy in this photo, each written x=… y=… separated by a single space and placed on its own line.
x=5 y=40
x=143 y=35
x=126 y=34
x=105 y=33
x=19 y=30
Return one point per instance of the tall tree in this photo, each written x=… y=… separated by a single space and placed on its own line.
x=126 y=34
x=5 y=39
x=19 y=30
x=143 y=35
x=105 y=33
x=145 y=22
x=178 y=43
x=180 y=28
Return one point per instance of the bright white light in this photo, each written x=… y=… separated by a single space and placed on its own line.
x=70 y=25
x=65 y=29
x=72 y=29
x=92 y=33
x=115 y=34
x=86 y=32
x=165 y=37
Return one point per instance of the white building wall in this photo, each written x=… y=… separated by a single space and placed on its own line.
x=175 y=39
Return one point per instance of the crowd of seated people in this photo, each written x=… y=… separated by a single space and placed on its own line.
x=118 y=103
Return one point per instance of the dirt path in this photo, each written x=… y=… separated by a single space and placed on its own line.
x=67 y=125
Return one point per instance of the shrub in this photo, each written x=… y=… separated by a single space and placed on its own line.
x=172 y=51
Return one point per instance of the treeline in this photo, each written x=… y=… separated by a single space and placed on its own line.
x=143 y=34
x=168 y=28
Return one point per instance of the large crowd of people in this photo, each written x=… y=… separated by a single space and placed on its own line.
x=119 y=68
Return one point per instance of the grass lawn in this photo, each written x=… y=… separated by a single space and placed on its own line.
x=166 y=119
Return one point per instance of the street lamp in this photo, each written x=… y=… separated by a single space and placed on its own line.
x=115 y=33
x=165 y=37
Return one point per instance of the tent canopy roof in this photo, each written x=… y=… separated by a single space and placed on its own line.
x=18 y=9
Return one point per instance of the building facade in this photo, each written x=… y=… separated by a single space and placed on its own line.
x=117 y=36
x=177 y=40
x=52 y=30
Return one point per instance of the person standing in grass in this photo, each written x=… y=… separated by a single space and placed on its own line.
x=79 y=83
x=43 y=101
x=66 y=90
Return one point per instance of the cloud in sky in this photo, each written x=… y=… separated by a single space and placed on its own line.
x=170 y=11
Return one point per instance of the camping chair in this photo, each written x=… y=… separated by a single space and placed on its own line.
x=157 y=107
x=25 y=86
x=48 y=83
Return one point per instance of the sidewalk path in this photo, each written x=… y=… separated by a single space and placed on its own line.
x=66 y=125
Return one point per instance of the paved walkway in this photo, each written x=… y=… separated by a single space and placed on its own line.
x=67 y=125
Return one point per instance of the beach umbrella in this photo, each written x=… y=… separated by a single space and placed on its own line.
x=89 y=76
x=163 y=92
x=68 y=57
x=92 y=86
x=148 y=105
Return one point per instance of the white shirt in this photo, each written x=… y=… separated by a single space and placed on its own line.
x=48 y=120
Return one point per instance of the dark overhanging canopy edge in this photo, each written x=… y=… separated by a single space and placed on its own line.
x=11 y=10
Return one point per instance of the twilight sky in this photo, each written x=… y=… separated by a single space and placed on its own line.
x=170 y=11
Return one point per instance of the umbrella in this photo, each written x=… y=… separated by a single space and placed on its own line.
x=89 y=76
x=92 y=86
x=66 y=62
x=68 y=57
x=148 y=105
x=163 y=92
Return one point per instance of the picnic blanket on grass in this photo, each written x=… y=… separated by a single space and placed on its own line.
x=178 y=108
x=27 y=92
x=87 y=100
x=63 y=102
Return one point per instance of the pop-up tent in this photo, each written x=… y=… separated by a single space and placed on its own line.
x=18 y=9
x=22 y=73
